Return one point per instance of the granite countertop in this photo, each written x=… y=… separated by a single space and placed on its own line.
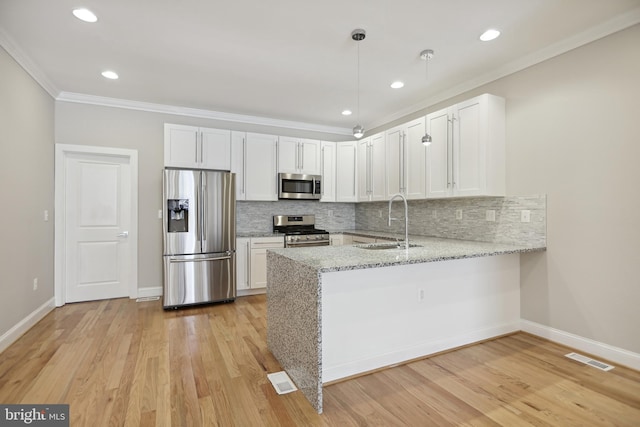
x=347 y=257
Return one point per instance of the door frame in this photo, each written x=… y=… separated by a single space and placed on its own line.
x=62 y=151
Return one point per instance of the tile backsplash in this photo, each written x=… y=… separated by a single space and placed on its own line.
x=258 y=216
x=437 y=218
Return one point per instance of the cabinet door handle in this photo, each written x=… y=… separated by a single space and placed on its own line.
x=201 y=147
x=244 y=165
x=275 y=159
x=369 y=169
x=355 y=175
x=404 y=162
x=322 y=169
x=399 y=162
x=197 y=146
x=453 y=145
x=301 y=156
x=297 y=165
x=449 y=141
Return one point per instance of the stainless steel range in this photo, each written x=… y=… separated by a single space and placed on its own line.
x=300 y=231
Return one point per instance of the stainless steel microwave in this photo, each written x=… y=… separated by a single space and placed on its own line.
x=299 y=186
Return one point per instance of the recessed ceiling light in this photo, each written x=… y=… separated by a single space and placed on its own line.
x=110 y=75
x=346 y=112
x=397 y=85
x=85 y=15
x=489 y=35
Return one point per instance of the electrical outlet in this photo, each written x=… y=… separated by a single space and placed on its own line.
x=46 y=215
x=35 y=284
x=330 y=212
x=159 y=213
x=458 y=213
x=525 y=216
x=490 y=215
x=379 y=213
x=420 y=295
x=434 y=214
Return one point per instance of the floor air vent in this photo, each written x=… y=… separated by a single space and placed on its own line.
x=589 y=361
x=281 y=382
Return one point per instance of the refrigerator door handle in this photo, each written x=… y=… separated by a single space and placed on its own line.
x=203 y=206
x=221 y=258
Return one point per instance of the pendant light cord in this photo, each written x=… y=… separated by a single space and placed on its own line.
x=358 y=78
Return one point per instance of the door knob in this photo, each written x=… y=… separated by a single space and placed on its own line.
x=123 y=234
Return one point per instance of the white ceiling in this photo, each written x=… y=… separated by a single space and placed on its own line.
x=294 y=60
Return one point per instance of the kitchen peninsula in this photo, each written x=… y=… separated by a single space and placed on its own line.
x=339 y=311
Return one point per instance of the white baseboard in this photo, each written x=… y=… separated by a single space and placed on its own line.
x=614 y=354
x=247 y=292
x=25 y=324
x=153 y=291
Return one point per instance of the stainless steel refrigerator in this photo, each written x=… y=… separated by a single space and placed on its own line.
x=199 y=228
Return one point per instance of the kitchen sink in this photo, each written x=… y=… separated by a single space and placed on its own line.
x=385 y=246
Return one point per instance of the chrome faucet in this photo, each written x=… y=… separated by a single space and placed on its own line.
x=406 y=217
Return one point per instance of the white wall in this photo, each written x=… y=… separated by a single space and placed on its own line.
x=26 y=190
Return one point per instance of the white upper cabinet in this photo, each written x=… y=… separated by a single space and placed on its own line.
x=346 y=178
x=197 y=148
x=416 y=160
x=254 y=161
x=238 y=159
x=371 y=168
x=328 y=169
x=298 y=155
x=406 y=160
x=467 y=153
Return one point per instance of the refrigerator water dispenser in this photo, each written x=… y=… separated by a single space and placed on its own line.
x=178 y=217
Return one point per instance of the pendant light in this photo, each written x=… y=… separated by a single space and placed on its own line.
x=426 y=55
x=358 y=35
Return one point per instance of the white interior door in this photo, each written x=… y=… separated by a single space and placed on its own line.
x=99 y=259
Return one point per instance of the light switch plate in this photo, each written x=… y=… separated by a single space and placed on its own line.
x=458 y=213
x=525 y=215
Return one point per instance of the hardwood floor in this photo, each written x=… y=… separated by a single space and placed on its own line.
x=119 y=362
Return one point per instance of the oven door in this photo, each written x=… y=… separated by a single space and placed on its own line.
x=299 y=186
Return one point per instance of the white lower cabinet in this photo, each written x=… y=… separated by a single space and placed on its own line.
x=258 y=259
x=336 y=239
x=242 y=263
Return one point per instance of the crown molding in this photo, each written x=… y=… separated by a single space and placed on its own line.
x=7 y=43
x=198 y=113
x=599 y=31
